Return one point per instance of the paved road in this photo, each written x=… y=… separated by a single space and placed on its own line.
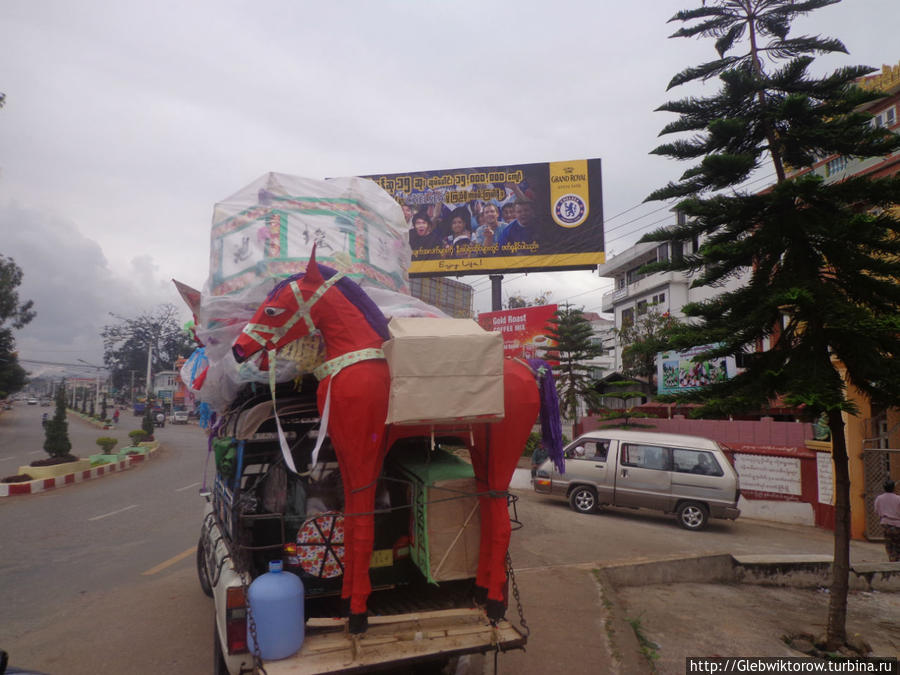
x=99 y=555
x=118 y=594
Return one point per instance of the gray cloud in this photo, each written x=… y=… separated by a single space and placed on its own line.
x=126 y=122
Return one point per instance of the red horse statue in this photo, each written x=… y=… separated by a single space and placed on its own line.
x=355 y=381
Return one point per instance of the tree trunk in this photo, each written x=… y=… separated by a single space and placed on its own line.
x=836 y=629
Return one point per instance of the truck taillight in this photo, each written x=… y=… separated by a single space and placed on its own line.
x=291 y=560
x=235 y=621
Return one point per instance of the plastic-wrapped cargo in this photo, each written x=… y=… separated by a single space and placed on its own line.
x=267 y=230
x=264 y=233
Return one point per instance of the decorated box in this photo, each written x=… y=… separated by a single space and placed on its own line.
x=445 y=525
x=443 y=370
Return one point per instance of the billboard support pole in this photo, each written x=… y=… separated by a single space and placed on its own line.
x=496 y=292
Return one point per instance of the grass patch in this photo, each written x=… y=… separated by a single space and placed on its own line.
x=648 y=647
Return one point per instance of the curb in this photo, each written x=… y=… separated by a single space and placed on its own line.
x=44 y=484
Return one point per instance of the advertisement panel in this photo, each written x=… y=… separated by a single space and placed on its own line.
x=523 y=217
x=524 y=330
x=677 y=372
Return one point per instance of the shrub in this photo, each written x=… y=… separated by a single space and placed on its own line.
x=56 y=433
x=137 y=436
x=107 y=443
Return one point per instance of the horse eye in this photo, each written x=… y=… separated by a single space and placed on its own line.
x=273 y=311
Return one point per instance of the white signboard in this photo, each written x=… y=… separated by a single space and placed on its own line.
x=826 y=478
x=767 y=473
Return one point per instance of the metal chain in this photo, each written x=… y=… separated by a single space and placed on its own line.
x=515 y=588
x=257 y=656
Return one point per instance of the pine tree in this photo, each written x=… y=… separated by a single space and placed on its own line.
x=823 y=259
x=56 y=434
x=572 y=334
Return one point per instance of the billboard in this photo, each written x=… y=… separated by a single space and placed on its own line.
x=677 y=372
x=523 y=217
x=524 y=330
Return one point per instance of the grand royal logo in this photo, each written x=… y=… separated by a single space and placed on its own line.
x=569 y=210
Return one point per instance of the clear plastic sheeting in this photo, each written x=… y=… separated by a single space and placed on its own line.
x=267 y=230
x=265 y=233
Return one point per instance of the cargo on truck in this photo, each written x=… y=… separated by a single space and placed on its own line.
x=362 y=441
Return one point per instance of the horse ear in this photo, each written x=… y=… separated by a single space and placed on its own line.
x=312 y=267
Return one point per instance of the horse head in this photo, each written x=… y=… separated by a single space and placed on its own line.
x=283 y=316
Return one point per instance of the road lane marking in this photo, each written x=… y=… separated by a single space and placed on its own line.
x=36 y=452
x=188 y=487
x=171 y=561
x=2 y=459
x=112 y=513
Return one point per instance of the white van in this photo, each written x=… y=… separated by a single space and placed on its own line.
x=689 y=476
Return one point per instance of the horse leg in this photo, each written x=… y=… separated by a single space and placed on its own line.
x=494 y=462
x=359 y=397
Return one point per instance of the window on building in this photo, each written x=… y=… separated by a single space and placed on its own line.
x=620 y=282
x=677 y=251
x=642 y=308
x=633 y=275
x=836 y=165
x=886 y=118
x=628 y=317
x=659 y=299
x=662 y=253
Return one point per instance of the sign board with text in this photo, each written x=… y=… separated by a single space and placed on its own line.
x=524 y=217
x=524 y=330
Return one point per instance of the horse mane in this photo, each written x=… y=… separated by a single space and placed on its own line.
x=353 y=292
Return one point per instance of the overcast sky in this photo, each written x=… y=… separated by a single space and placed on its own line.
x=125 y=122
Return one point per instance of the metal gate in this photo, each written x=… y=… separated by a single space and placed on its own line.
x=877 y=465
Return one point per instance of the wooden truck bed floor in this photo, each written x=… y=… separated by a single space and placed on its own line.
x=394 y=641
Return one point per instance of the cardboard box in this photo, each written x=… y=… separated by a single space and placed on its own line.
x=445 y=524
x=443 y=371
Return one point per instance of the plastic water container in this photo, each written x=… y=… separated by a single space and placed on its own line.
x=276 y=601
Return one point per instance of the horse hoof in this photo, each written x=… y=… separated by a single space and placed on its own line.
x=496 y=609
x=479 y=595
x=358 y=623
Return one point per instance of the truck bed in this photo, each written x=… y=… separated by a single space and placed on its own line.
x=395 y=641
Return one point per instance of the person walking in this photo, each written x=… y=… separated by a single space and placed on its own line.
x=116 y=416
x=887 y=506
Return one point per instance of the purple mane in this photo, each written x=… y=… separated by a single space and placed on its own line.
x=353 y=292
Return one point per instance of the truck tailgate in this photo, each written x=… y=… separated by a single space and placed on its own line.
x=394 y=641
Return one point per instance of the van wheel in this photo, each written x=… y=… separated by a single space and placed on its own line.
x=202 y=573
x=693 y=516
x=583 y=499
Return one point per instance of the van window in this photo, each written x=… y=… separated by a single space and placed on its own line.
x=696 y=461
x=645 y=456
x=593 y=450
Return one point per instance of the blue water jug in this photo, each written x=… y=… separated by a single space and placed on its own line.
x=276 y=602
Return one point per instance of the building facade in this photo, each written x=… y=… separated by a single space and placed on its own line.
x=635 y=293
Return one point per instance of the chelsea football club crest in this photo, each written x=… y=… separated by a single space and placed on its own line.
x=570 y=210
